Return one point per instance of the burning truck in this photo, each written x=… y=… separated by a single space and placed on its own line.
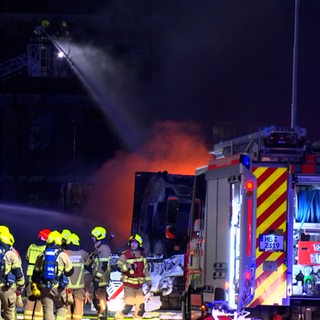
x=161 y=209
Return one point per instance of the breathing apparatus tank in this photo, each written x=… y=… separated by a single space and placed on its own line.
x=49 y=270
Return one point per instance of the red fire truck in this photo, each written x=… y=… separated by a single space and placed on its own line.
x=254 y=229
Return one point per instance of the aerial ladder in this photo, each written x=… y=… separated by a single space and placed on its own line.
x=268 y=144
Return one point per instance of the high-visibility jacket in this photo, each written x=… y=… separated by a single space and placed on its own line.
x=33 y=251
x=78 y=258
x=134 y=268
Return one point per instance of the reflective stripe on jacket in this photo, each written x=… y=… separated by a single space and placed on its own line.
x=78 y=258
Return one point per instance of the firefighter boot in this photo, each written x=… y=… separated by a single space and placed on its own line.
x=104 y=315
x=125 y=311
x=138 y=315
x=119 y=315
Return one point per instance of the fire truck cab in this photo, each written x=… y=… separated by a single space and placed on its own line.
x=254 y=230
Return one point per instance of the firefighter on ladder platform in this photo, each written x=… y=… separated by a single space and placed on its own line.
x=42 y=30
x=134 y=268
x=33 y=307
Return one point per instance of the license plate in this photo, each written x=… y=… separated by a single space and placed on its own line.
x=271 y=242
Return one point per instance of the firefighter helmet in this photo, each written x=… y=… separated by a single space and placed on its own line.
x=43 y=234
x=99 y=233
x=54 y=237
x=64 y=24
x=73 y=239
x=7 y=238
x=65 y=233
x=4 y=229
x=45 y=23
x=136 y=237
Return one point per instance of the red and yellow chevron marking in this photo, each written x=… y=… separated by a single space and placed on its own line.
x=272 y=188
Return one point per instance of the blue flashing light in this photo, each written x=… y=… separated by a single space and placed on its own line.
x=245 y=161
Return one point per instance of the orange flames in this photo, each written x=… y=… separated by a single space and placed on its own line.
x=175 y=147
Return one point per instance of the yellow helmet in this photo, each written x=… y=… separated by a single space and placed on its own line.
x=65 y=233
x=55 y=238
x=45 y=23
x=4 y=229
x=73 y=239
x=136 y=237
x=64 y=24
x=99 y=233
x=7 y=238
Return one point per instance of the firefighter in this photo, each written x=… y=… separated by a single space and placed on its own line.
x=100 y=269
x=33 y=307
x=77 y=290
x=42 y=30
x=19 y=302
x=132 y=263
x=63 y=31
x=50 y=276
x=12 y=278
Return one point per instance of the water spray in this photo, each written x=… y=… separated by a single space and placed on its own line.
x=93 y=81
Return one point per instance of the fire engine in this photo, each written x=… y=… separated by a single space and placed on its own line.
x=253 y=248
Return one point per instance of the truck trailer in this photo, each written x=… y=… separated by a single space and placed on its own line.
x=161 y=209
x=253 y=248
